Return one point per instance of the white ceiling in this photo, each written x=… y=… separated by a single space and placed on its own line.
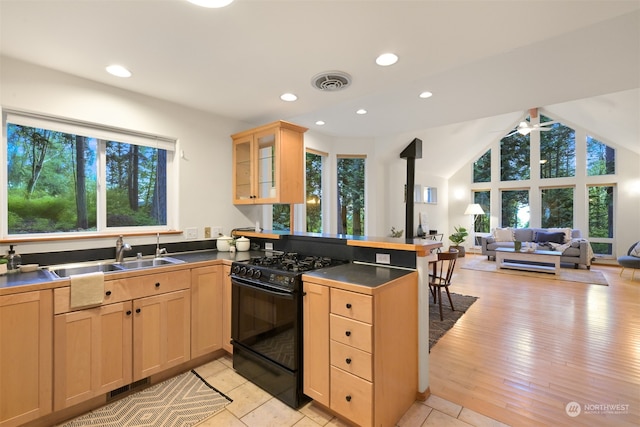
x=480 y=58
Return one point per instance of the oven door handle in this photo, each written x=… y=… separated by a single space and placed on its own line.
x=263 y=287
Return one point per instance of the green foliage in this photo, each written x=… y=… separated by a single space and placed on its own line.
x=314 y=192
x=513 y=201
x=482 y=168
x=515 y=158
x=601 y=211
x=557 y=207
x=557 y=151
x=396 y=233
x=281 y=217
x=483 y=198
x=600 y=158
x=351 y=195
x=459 y=235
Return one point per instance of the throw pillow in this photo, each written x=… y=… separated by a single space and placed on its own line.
x=503 y=234
x=557 y=237
x=566 y=231
x=636 y=250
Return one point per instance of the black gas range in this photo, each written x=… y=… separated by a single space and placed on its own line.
x=266 y=321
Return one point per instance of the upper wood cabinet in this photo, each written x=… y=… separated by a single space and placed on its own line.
x=268 y=164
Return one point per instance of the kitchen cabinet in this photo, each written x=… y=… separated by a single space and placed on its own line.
x=26 y=355
x=360 y=348
x=143 y=327
x=226 y=309
x=93 y=352
x=206 y=316
x=268 y=164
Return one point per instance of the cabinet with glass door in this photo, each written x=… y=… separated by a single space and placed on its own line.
x=268 y=164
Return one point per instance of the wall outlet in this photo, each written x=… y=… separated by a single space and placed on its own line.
x=383 y=259
x=268 y=246
x=191 y=233
x=207 y=232
x=216 y=231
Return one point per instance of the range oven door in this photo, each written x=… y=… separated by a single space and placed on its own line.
x=267 y=321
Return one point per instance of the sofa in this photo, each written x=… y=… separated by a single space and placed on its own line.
x=575 y=250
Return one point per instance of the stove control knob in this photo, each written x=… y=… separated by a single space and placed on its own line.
x=257 y=274
x=243 y=271
x=236 y=269
x=250 y=272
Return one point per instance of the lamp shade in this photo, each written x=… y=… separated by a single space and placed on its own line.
x=474 y=209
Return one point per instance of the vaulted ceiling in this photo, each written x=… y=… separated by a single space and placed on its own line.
x=486 y=62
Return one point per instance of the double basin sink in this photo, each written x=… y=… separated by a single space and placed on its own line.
x=66 y=270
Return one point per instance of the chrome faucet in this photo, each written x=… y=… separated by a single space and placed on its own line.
x=121 y=247
x=159 y=251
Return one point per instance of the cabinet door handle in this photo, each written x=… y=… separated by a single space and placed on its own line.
x=348 y=398
x=157 y=284
x=348 y=333
x=108 y=293
x=128 y=312
x=138 y=310
x=348 y=361
x=348 y=305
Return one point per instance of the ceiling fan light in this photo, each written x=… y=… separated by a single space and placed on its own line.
x=212 y=4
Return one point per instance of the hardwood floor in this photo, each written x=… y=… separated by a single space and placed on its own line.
x=530 y=346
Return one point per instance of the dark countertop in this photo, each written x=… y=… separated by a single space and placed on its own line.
x=366 y=275
x=12 y=280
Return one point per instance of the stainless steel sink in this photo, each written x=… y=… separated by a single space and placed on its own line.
x=146 y=263
x=70 y=269
x=66 y=270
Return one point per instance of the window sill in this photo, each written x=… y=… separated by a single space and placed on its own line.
x=56 y=238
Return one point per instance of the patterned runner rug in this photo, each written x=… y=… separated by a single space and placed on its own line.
x=591 y=277
x=181 y=401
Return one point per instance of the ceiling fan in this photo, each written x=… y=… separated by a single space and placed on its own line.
x=525 y=128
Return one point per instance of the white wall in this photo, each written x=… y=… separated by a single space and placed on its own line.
x=205 y=172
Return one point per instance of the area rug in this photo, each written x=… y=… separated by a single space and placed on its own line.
x=591 y=277
x=437 y=327
x=181 y=401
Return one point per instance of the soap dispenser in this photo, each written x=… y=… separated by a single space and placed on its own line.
x=14 y=259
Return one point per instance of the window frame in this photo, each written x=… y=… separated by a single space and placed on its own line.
x=101 y=133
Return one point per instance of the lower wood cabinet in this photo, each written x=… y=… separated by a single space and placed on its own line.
x=206 y=314
x=93 y=353
x=360 y=348
x=26 y=354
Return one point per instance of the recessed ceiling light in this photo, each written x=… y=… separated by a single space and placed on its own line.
x=288 y=97
x=211 y=3
x=320 y=123
x=386 y=59
x=118 y=70
x=361 y=111
x=426 y=94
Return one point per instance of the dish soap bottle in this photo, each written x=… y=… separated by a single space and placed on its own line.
x=14 y=259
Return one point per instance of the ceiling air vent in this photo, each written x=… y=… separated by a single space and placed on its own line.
x=331 y=81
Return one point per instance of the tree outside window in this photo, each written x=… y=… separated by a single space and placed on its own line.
x=557 y=151
x=601 y=159
x=52 y=181
x=515 y=157
x=515 y=208
x=351 y=213
x=557 y=207
x=601 y=218
x=314 y=192
x=483 y=198
x=482 y=168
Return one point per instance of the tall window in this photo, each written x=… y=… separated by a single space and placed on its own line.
x=482 y=168
x=53 y=184
x=514 y=157
x=601 y=219
x=557 y=151
x=515 y=208
x=351 y=213
x=314 y=191
x=483 y=198
x=557 y=207
x=601 y=159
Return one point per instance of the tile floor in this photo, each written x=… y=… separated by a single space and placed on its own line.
x=253 y=407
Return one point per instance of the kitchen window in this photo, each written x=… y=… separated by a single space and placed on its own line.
x=65 y=177
x=351 y=206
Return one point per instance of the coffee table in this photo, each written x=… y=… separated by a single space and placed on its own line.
x=545 y=261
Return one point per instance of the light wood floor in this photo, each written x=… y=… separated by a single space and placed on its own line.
x=530 y=346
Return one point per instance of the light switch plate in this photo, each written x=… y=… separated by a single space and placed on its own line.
x=191 y=233
x=383 y=259
x=268 y=246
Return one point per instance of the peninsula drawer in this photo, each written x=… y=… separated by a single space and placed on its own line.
x=351 y=332
x=157 y=283
x=352 y=397
x=114 y=291
x=352 y=360
x=352 y=305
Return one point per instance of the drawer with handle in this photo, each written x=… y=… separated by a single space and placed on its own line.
x=351 y=332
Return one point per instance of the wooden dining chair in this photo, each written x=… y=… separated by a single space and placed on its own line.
x=441 y=276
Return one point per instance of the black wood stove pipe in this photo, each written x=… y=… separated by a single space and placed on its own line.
x=412 y=152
